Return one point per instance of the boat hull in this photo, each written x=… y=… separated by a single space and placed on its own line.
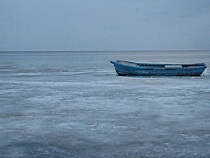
x=130 y=70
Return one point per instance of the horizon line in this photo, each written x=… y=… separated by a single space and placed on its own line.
x=153 y=50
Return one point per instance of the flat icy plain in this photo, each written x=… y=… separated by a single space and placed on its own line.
x=73 y=104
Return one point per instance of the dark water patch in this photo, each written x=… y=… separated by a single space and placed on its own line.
x=34 y=149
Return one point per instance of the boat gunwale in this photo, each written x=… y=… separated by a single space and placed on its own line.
x=158 y=65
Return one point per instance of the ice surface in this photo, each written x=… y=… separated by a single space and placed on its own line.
x=72 y=104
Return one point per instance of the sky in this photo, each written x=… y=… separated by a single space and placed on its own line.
x=102 y=25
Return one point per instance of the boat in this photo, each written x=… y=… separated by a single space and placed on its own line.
x=127 y=68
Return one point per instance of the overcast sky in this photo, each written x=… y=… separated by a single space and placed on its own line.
x=80 y=25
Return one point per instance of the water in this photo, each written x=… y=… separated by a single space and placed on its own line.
x=72 y=104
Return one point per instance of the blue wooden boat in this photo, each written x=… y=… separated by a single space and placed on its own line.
x=127 y=68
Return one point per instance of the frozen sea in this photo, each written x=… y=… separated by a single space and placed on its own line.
x=73 y=104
